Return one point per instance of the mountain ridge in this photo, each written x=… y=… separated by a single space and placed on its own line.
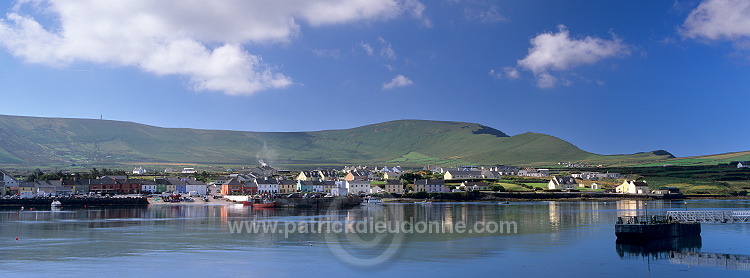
x=39 y=140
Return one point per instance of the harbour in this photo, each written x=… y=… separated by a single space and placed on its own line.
x=194 y=239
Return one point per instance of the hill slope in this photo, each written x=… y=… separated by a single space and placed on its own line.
x=43 y=141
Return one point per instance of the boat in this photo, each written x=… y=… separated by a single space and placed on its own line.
x=424 y=202
x=268 y=204
x=263 y=204
x=503 y=203
x=56 y=204
x=372 y=201
x=189 y=200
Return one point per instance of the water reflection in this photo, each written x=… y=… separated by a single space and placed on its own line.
x=546 y=232
x=682 y=251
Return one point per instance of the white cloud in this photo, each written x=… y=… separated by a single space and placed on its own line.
x=557 y=51
x=201 y=40
x=719 y=19
x=506 y=73
x=386 y=50
x=399 y=81
x=332 y=53
x=367 y=48
x=485 y=14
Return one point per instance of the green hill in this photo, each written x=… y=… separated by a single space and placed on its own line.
x=48 y=141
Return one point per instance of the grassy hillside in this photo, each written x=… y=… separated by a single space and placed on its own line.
x=714 y=159
x=44 y=141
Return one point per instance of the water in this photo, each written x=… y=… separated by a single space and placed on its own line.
x=553 y=238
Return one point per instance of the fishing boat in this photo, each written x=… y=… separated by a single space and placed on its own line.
x=268 y=204
x=262 y=204
x=372 y=201
x=56 y=204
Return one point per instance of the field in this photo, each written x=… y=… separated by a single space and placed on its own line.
x=710 y=179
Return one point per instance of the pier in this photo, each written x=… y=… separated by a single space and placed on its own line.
x=710 y=216
x=674 y=224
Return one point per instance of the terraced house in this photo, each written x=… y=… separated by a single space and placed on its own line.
x=394 y=186
x=430 y=186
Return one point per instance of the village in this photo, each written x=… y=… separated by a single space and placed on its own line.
x=350 y=181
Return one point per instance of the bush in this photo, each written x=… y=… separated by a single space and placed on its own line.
x=498 y=188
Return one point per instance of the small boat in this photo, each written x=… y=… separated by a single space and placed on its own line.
x=189 y=200
x=424 y=202
x=372 y=201
x=264 y=205
x=503 y=203
x=56 y=204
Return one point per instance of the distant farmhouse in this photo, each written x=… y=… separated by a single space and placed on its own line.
x=562 y=183
x=633 y=187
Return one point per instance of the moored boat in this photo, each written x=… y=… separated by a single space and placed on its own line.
x=261 y=204
x=372 y=201
x=268 y=204
x=56 y=204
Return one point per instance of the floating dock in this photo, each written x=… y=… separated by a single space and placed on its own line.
x=634 y=228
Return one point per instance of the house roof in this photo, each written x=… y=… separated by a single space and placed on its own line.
x=565 y=180
x=426 y=182
x=392 y=182
x=267 y=181
x=460 y=172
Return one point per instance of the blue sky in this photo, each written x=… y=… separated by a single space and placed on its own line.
x=608 y=76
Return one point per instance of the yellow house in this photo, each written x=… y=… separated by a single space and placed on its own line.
x=287 y=186
x=309 y=176
x=392 y=175
x=633 y=187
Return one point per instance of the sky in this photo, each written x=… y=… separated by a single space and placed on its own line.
x=610 y=77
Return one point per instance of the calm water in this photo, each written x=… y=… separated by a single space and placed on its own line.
x=553 y=238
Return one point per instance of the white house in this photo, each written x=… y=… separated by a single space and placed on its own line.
x=562 y=183
x=375 y=189
x=189 y=171
x=340 y=189
x=633 y=187
x=266 y=185
x=139 y=171
x=430 y=186
x=463 y=175
x=473 y=186
x=151 y=188
x=358 y=187
x=7 y=181
x=530 y=172
x=743 y=164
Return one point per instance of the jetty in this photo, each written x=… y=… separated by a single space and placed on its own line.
x=674 y=224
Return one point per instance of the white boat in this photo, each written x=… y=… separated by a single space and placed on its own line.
x=372 y=201
x=424 y=203
x=56 y=204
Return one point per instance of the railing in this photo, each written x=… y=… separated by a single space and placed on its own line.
x=711 y=216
